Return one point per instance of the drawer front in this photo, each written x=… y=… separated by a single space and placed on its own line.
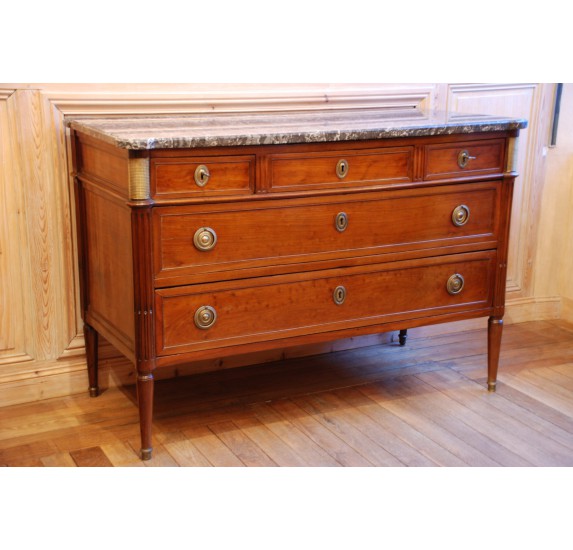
x=202 y=317
x=202 y=176
x=296 y=171
x=276 y=234
x=470 y=158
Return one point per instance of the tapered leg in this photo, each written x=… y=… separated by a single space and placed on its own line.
x=495 y=328
x=403 y=336
x=91 y=339
x=145 y=384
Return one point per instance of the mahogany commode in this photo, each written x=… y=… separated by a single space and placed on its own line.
x=211 y=235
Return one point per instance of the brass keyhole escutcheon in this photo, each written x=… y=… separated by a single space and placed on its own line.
x=339 y=295
x=460 y=215
x=202 y=175
x=341 y=221
x=205 y=317
x=342 y=168
x=464 y=158
x=455 y=284
x=205 y=239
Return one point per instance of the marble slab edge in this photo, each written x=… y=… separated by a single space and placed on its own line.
x=255 y=137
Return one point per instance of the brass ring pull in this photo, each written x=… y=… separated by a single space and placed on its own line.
x=205 y=317
x=342 y=168
x=464 y=158
x=339 y=295
x=205 y=239
x=455 y=284
x=341 y=221
x=202 y=175
x=460 y=215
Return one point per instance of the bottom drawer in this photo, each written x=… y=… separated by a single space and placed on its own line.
x=208 y=316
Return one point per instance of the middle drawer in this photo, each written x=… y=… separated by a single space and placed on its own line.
x=194 y=240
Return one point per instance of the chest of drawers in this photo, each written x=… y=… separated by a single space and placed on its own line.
x=207 y=236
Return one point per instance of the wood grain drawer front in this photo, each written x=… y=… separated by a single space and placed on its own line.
x=273 y=233
x=271 y=308
x=297 y=171
x=202 y=176
x=469 y=158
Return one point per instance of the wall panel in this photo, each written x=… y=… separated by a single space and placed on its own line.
x=41 y=346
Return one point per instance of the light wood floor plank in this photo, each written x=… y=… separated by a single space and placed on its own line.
x=566 y=369
x=340 y=424
x=422 y=404
x=121 y=454
x=539 y=390
x=185 y=452
x=463 y=423
x=212 y=447
x=248 y=452
x=396 y=446
x=517 y=435
x=461 y=453
x=342 y=452
x=300 y=443
x=58 y=460
x=281 y=453
x=90 y=457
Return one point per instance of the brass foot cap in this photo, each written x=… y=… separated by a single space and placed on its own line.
x=146 y=453
x=94 y=392
x=491 y=386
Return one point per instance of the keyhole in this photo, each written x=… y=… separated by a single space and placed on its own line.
x=342 y=168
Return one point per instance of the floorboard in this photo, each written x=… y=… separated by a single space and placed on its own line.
x=424 y=404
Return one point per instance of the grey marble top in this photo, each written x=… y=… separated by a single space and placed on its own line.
x=218 y=129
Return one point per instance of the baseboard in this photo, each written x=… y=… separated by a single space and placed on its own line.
x=521 y=310
x=69 y=376
x=62 y=378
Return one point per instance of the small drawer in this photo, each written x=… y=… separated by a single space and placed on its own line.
x=469 y=158
x=201 y=317
x=330 y=169
x=202 y=176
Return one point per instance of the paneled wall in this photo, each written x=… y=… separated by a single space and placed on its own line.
x=554 y=273
x=41 y=341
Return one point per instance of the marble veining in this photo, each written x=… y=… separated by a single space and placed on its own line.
x=224 y=129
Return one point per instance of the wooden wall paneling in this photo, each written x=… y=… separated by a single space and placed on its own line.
x=533 y=102
x=72 y=341
x=41 y=351
x=121 y=99
x=555 y=259
x=13 y=348
x=40 y=173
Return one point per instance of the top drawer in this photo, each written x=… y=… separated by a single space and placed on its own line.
x=339 y=169
x=202 y=176
x=468 y=158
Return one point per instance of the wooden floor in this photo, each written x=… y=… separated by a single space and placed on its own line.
x=424 y=404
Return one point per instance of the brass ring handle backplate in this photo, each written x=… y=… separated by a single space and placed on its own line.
x=205 y=317
x=464 y=158
x=342 y=168
x=460 y=215
x=202 y=175
x=455 y=284
x=339 y=295
x=341 y=221
x=205 y=239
